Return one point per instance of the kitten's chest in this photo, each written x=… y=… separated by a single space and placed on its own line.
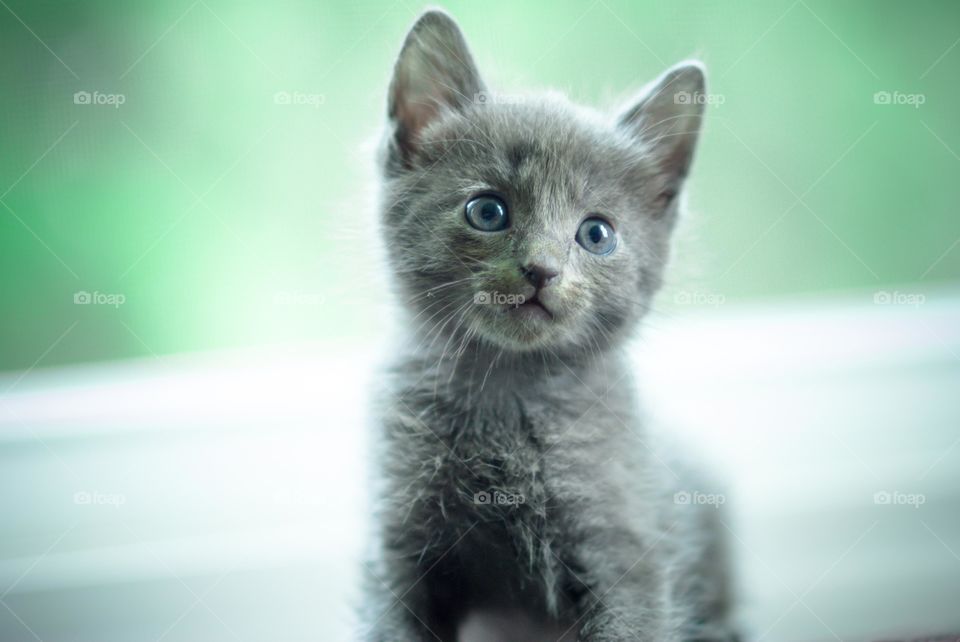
x=483 y=461
x=484 y=492
x=500 y=457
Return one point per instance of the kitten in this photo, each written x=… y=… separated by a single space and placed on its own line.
x=519 y=499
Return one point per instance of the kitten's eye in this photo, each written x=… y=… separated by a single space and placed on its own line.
x=597 y=236
x=487 y=213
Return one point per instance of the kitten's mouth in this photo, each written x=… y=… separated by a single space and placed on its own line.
x=532 y=308
x=524 y=323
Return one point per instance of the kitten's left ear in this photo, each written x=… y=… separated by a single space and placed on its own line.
x=668 y=114
x=434 y=72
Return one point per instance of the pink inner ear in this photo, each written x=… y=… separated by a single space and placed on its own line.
x=416 y=103
x=418 y=96
x=433 y=72
x=665 y=197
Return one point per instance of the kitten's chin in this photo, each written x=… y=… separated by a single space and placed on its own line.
x=521 y=328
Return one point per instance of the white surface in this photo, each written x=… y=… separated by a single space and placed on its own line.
x=240 y=478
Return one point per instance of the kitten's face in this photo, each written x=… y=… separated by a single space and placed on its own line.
x=528 y=225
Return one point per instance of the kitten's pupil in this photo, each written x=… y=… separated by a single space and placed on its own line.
x=597 y=233
x=490 y=211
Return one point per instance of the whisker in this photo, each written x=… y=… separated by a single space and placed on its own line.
x=430 y=291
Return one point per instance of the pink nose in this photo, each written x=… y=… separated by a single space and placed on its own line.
x=539 y=275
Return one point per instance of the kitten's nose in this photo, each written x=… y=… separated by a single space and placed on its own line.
x=538 y=274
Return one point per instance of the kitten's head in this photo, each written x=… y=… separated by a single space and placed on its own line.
x=528 y=223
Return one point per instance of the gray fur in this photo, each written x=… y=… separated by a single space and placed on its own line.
x=482 y=399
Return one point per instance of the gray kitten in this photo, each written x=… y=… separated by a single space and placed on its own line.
x=519 y=499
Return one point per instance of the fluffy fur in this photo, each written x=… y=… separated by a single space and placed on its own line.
x=520 y=497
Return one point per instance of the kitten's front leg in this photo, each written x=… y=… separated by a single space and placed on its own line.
x=625 y=602
x=396 y=606
x=634 y=600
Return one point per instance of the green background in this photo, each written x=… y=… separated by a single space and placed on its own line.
x=226 y=219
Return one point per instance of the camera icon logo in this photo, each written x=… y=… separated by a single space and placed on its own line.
x=882 y=497
x=82 y=497
x=482 y=298
x=682 y=98
x=82 y=98
x=482 y=497
x=882 y=297
x=282 y=98
x=682 y=498
x=882 y=98
x=481 y=98
x=82 y=297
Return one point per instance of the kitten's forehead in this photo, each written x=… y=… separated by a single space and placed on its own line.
x=541 y=150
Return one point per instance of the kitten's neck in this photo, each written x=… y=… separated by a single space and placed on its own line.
x=476 y=368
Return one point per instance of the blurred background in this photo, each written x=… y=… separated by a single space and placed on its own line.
x=192 y=301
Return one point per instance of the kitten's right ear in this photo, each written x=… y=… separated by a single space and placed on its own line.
x=434 y=72
x=667 y=116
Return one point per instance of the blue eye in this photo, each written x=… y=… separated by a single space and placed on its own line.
x=597 y=236
x=487 y=214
